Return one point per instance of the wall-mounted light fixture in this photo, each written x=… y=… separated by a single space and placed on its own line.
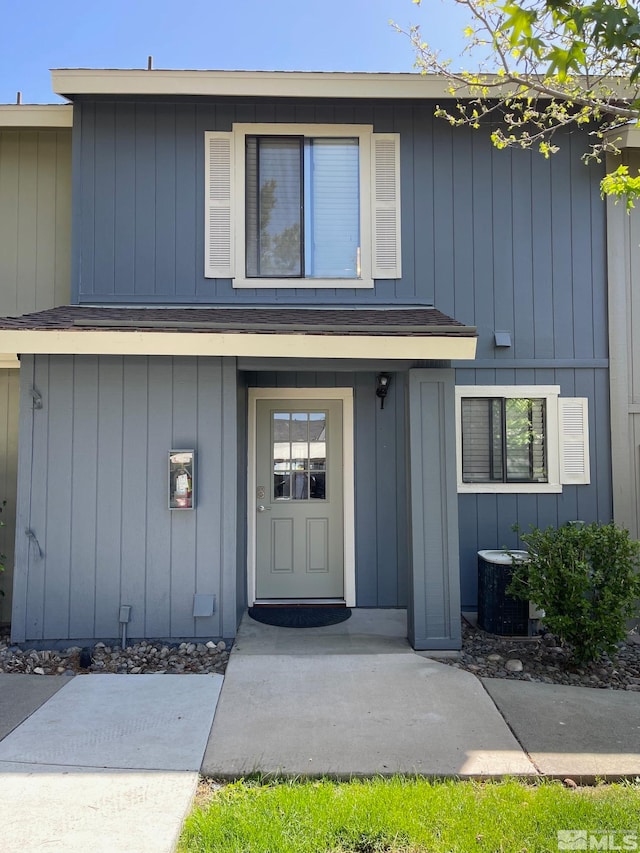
x=383 y=380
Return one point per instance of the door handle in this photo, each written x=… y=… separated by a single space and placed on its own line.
x=262 y=508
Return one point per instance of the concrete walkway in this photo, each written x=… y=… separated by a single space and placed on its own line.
x=109 y=763
x=354 y=699
x=583 y=733
x=348 y=701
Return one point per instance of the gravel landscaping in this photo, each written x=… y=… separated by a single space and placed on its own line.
x=542 y=659
x=141 y=657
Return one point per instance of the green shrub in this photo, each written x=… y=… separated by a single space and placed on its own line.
x=585 y=578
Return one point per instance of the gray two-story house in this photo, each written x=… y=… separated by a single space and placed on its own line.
x=320 y=347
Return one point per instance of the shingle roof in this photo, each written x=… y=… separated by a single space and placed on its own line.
x=413 y=322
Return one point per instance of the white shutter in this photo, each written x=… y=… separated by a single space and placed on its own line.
x=573 y=429
x=218 y=238
x=385 y=200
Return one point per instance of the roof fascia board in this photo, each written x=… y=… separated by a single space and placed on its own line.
x=70 y=82
x=288 y=84
x=36 y=115
x=63 y=342
x=625 y=137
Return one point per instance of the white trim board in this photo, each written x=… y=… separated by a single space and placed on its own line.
x=50 y=116
x=346 y=395
x=276 y=345
x=309 y=84
x=286 y=84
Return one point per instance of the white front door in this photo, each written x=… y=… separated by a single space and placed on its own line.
x=299 y=499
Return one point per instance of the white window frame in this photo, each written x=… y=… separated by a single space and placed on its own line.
x=550 y=394
x=363 y=133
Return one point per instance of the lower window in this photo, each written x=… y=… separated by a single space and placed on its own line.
x=504 y=440
x=520 y=439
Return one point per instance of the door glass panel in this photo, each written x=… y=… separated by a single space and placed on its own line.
x=299 y=455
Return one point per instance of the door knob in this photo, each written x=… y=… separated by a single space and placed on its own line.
x=262 y=508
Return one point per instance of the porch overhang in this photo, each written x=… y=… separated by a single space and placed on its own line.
x=420 y=333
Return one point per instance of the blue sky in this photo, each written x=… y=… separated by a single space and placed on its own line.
x=325 y=35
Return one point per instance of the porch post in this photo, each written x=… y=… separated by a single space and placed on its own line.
x=434 y=580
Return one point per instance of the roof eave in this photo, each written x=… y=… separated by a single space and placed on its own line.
x=36 y=116
x=461 y=345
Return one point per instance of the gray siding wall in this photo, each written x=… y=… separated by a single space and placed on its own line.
x=624 y=309
x=485 y=521
x=93 y=491
x=9 y=404
x=505 y=240
x=35 y=219
x=35 y=252
x=380 y=481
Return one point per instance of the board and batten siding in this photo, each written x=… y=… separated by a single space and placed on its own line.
x=380 y=444
x=499 y=239
x=35 y=220
x=624 y=310
x=93 y=494
x=9 y=405
x=35 y=253
x=486 y=521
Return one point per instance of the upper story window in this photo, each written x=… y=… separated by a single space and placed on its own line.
x=519 y=439
x=293 y=204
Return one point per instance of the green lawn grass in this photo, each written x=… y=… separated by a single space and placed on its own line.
x=404 y=815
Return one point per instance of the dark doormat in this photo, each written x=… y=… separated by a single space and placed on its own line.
x=299 y=616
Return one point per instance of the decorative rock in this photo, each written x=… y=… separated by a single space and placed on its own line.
x=141 y=657
x=514 y=665
x=542 y=663
x=494 y=658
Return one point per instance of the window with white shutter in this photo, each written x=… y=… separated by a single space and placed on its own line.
x=573 y=429
x=386 y=205
x=218 y=238
x=520 y=439
x=302 y=205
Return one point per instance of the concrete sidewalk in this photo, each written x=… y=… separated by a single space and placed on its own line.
x=108 y=763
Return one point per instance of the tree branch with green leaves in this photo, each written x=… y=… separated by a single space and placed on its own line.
x=542 y=66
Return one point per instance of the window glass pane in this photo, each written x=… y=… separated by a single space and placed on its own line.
x=273 y=206
x=496 y=462
x=481 y=440
x=525 y=447
x=317 y=485
x=332 y=208
x=503 y=440
x=299 y=455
